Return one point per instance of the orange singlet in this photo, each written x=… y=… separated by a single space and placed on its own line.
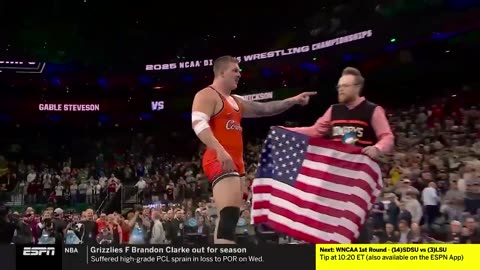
x=226 y=127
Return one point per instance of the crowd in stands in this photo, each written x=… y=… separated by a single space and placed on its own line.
x=431 y=190
x=432 y=179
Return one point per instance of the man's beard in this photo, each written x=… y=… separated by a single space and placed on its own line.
x=345 y=99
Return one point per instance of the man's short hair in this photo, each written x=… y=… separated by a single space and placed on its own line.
x=404 y=222
x=221 y=63
x=156 y=214
x=356 y=73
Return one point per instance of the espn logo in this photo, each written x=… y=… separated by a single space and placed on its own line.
x=38 y=251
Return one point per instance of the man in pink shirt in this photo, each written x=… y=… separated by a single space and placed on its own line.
x=354 y=120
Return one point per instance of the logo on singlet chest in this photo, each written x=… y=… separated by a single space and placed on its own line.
x=231 y=125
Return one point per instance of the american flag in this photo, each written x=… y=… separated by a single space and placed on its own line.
x=312 y=189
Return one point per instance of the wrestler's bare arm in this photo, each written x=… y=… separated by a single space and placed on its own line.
x=205 y=102
x=253 y=109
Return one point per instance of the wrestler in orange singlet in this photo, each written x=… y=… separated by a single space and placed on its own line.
x=225 y=126
x=216 y=119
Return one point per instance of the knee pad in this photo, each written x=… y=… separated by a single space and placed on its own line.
x=228 y=222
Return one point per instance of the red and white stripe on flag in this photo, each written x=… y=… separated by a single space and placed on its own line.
x=330 y=199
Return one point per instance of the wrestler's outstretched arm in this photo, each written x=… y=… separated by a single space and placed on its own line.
x=253 y=109
x=202 y=109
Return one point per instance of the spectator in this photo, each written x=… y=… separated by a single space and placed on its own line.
x=417 y=237
x=453 y=203
x=390 y=235
x=59 y=222
x=83 y=192
x=141 y=185
x=7 y=230
x=406 y=186
x=115 y=229
x=404 y=214
x=89 y=229
x=102 y=222
x=455 y=233
x=49 y=234
x=431 y=202
x=177 y=227
x=378 y=214
x=158 y=232
x=405 y=233
x=472 y=191
x=473 y=233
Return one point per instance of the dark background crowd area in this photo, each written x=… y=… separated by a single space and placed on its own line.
x=127 y=176
x=436 y=143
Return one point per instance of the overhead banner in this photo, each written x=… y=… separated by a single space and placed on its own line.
x=265 y=55
x=259 y=96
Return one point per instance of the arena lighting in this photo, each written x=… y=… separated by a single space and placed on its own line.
x=103 y=118
x=145 y=80
x=102 y=82
x=55 y=82
x=265 y=55
x=391 y=48
x=442 y=36
x=146 y=116
x=22 y=66
x=347 y=57
x=310 y=67
x=436 y=36
x=267 y=72
x=188 y=78
x=55 y=118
